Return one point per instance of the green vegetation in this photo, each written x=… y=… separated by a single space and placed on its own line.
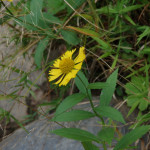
x=115 y=35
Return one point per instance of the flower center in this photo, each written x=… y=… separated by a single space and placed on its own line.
x=66 y=65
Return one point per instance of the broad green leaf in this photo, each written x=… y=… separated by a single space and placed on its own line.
x=76 y=134
x=110 y=112
x=89 y=146
x=131 y=137
x=131 y=88
x=139 y=82
x=82 y=83
x=39 y=51
x=137 y=91
x=104 y=45
x=49 y=18
x=74 y=115
x=97 y=85
x=84 y=31
x=36 y=10
x=69 y=102
x=55 y=6
x=27 y=22
x=70 y=37
x=106 y=134
x=131 y=100
x=143 y=104
x=107 y=93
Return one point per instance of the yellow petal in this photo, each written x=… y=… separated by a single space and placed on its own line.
x=56 y=63
x=68 y=54
x=74 y=72
x=78 y=66
x=81 y=55
x=66 y=79
x=59 y=80
x=54 y=74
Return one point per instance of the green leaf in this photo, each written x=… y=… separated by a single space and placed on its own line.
x=97 y=85
x=107 y=93
x=131 y=100
x=104 y=45
x=76 y=134
x=131 y=137
x=129 y=19
x=82 y=82
x=39 y=51
x=36 y=10
x=131 y=89
x=27 y=22
x=74 y=115
x=4 y=19
x=146 y=50
x=70 y=37
x=106 y=134
x=73 y=3
x=143 y=104
x=49 y=18
x=107 y=10
x=146 y=32
x=130 y=8
x=137 y=93
x=110 y=112
x=89 y=146
x=142 y=119
x=69 y=102
x=19 y=123
x=55 y=6
x=112 y=10
x=84 y=31
x=133 y=108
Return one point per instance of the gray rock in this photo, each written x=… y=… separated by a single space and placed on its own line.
x=40 y=137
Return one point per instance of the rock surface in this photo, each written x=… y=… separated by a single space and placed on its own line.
x=40 y=137
x=9 y=79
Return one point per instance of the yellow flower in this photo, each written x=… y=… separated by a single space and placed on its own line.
x=65 y=68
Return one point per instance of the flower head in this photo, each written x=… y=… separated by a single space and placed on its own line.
x=65 y=68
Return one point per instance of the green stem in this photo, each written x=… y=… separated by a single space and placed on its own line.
x=6 y=8
x=93 y=108
x=91 y=103
x=104 y=145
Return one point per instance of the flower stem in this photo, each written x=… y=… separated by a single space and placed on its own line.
x=91 y=103
x=93 y=108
